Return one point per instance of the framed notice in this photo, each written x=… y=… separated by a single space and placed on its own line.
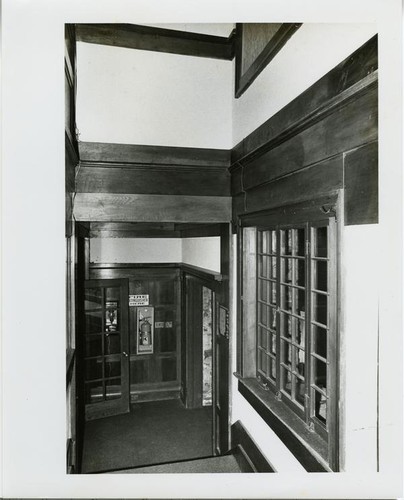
x=145 y=330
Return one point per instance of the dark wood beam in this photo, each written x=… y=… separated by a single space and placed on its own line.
x=133 y=230
x=152 y=179
x=98 y=207
x=98 y=153
x=133 y=36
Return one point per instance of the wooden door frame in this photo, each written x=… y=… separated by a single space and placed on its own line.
x=109 y=407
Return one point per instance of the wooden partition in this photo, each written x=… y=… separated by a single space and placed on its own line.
x=153 y=375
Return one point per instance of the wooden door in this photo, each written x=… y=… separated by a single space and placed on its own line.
x=105 y=348
x=221 y=372
x=221 y=380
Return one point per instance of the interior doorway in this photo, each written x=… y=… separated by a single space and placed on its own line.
x=146 y=349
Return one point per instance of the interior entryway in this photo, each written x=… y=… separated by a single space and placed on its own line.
x=153 y=364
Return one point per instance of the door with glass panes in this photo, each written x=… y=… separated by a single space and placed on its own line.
x=105 y=348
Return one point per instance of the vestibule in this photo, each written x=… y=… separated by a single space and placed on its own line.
x=285 y=177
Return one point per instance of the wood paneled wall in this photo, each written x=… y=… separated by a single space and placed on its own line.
x=129 y=183
x=323 y=141
x=71 y=149
x=152 y=376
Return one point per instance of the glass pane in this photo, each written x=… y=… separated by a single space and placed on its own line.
x=262 y=361
x=300 y=242
x=93 y=345
x=286 y=325
x=94 y=322
x=286 y=298
x=262 y=338
x=286 y=381
x=272 y=365
x=287 y=270
x=112 y=343
x=273 y=293
x=299 y=361
x=320 y=341
x=300 y=298
x=300 y=333
x=273 y=241
x=94 y=392
x=264 y=290
x=112 y=294
x=112 y=369
x=300 y=272
x=320 y=373
x=93 y=369
x=272 y=346
x=320 y=275
x=273 y=267
x=168 y=369
x=113 y=389
x=265 y=313
x=320 y=241
x=320 y=406
x=286 y=353
x=168 y=340
x=111 y=317
x=92 y=298
x=259 y=241
x=320 y=308
x=286 y=241
x=299 y=390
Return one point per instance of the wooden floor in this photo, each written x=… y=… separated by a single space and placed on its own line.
x=152 y=433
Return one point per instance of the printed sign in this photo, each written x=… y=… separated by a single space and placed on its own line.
x=138 y=300
x=159 y=324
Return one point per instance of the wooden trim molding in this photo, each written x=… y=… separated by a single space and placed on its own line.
x=248 y=455
x=273 y=46
x=134 y=36
x=310 y=459
x=98 y=153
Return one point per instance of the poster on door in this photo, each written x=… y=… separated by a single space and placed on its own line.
x=145 y=330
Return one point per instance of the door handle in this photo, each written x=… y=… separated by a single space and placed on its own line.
x=125 y=354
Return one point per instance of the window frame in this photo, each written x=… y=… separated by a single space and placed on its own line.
x=319 y=442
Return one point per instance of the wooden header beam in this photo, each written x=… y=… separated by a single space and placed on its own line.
x=100 y=207
x=134 y=36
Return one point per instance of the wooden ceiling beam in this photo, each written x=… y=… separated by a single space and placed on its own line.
x=99 y=207
x=133 y=36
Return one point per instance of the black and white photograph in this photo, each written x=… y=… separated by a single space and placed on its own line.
x=205 y=203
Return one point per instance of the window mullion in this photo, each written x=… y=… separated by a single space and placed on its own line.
x=278 y=316
x=308 y=374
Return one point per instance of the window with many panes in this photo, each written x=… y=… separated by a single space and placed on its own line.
x=294 y=269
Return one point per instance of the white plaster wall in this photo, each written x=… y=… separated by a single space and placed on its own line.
x=311 y=52
x=142 y=97
x=202 y=252
x=361 y=264
x=135 y=250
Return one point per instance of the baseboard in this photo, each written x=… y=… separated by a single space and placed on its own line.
x=246 y=451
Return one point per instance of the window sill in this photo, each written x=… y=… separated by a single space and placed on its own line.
x=308 y=448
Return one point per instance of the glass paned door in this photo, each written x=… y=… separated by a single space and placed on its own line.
x=105 y=348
